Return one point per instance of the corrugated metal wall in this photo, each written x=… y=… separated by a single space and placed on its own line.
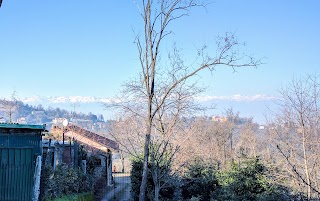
x=21 y=141
x=16 y=174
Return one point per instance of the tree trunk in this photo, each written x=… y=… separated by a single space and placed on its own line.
x=122 y=161
x=305 y=158
x=150 y=83
x=156 y=182
x=156 y=191
x=225 y=154
x=231 y=147
x=306 y=167
x=145 y=167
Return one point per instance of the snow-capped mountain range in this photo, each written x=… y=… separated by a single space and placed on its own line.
x=91 y=99
x=65 y=99
x=248 y=106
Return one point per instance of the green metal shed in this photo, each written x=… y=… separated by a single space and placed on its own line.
x=20 y=145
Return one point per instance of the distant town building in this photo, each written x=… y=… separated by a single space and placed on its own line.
x=37 y=113
x=219 y=119
x=59 y=121
x=22 y=120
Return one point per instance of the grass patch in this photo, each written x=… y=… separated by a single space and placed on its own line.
x=76 y=197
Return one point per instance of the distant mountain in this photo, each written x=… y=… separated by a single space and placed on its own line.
x=21 y=112
x=65 y=99
x=249 y=106
x=91 y=99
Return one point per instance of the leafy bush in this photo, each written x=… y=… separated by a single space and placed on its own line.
x=246 y=180
x=166 y=193
x=136 y=177
x=66 y=181
x=100 y=186
x=200 y=181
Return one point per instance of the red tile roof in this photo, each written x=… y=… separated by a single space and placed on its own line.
x=91 y=138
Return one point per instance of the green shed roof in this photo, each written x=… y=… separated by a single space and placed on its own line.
x=22 y=126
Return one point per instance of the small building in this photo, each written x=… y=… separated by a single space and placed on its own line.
x=219 y=119
x=22 y=120
x=20 y=164
x=95 y=144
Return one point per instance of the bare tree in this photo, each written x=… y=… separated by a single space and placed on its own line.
x=212 y=141
x=128 y=132
x=297 y=131
x=167 y=127
x=156 y=17
x=9 y=106
x=247 y=144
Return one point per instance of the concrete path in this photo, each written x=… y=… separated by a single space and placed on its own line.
x=121 y=189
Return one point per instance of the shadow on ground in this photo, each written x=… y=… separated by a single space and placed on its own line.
x=120 y=191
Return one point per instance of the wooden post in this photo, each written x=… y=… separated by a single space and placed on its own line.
x=36 y=188
x=109 y=169
x=84 y=167
x=75 y=154
x=57 y=158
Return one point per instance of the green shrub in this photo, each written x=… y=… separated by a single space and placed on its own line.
x=136 y=177
x=200 y=181
x=245 y=180
x=166 y=193
x=65 y=181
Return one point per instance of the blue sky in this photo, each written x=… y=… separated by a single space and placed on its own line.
x=81 y=48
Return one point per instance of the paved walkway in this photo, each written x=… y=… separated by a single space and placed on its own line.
x=121 y=189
